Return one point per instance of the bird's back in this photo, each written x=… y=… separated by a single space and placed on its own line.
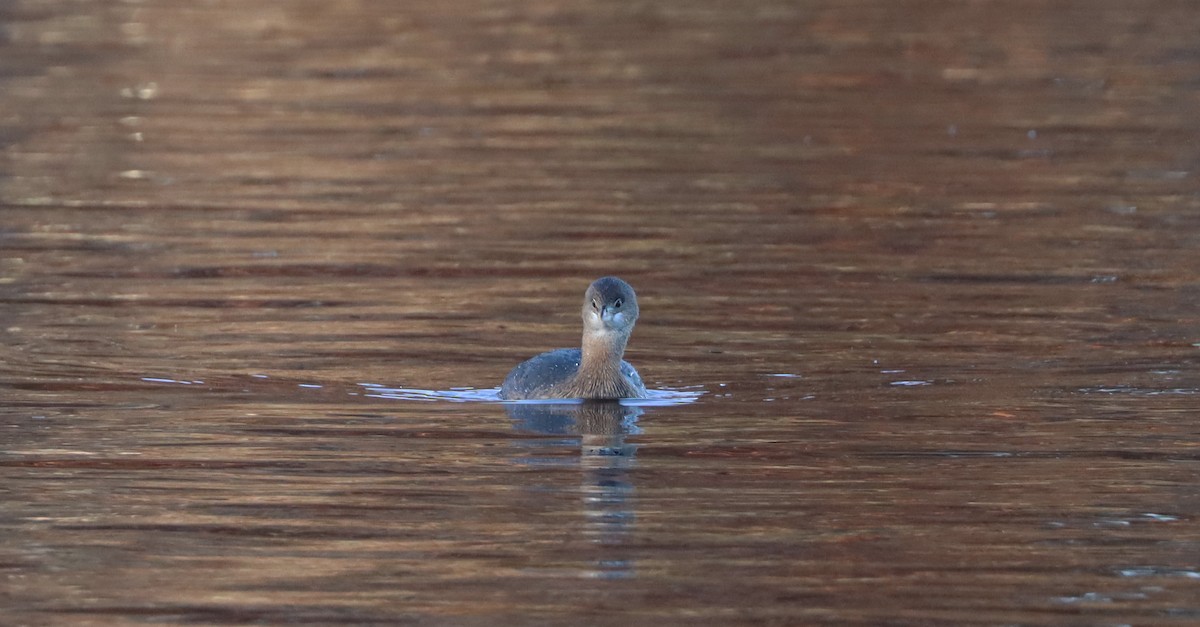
x=543 y=376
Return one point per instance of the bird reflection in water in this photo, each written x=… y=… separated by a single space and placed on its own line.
x=605 y=460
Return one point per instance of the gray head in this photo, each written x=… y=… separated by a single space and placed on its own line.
x=609 y=308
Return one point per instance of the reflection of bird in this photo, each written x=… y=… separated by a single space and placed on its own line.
x=605 y=459
x=586 y=418
x=595 y=371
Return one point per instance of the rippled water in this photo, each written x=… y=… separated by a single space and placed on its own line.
x=919 y=288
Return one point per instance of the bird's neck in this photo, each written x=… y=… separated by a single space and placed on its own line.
x=603 y=351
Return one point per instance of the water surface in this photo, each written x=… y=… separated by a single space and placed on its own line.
x=927 y=271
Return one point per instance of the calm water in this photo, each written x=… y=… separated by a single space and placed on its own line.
x=919 y=281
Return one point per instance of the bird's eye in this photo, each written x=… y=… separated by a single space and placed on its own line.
x=618 y=303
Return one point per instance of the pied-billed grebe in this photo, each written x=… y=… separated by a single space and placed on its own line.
x=597 y=371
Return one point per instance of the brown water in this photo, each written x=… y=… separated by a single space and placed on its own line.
x=932 y=268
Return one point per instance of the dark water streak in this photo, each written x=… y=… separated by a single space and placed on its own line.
x=932 y=264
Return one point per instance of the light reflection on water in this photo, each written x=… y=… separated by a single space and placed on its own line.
x=655 y=397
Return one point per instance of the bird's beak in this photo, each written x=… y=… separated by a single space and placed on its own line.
x=612 y=316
